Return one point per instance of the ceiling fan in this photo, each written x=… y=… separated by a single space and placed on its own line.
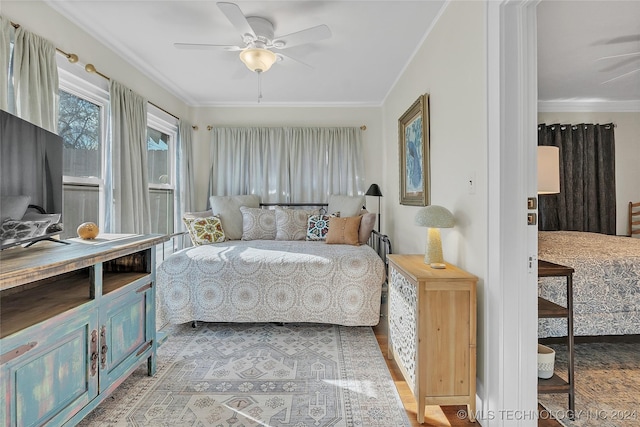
x=622 y=59
x=258 y=39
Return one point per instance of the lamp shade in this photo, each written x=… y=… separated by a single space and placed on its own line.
x=548 y=169
x=374 y=191
x=434 y=216
x=257 y=59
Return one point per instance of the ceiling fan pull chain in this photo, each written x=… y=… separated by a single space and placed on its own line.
x=259 y=86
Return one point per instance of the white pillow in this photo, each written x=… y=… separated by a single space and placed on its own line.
x=227 y=208
x=346 y=205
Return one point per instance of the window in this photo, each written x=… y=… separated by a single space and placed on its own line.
x=161 y=161
x=82 y=124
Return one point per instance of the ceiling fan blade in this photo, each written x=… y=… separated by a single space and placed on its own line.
x=621 y=76
x=624 y=39
x=289 y=57
x=313 y=34
x=619 y=56
x=202 y=46
x=236 y=17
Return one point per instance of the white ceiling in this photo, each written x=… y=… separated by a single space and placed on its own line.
x=573 y=39
x=371 y=43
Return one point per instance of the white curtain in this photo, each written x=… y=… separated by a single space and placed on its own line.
x=185 y=194
x=287 y=165
x=325 y=161
x=6 y=29
x=249 y=161
x=127 y=185
x=35 y=79
x=185 y=165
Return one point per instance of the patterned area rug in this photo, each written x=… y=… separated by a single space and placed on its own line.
x=240 y=375
x=607 y=385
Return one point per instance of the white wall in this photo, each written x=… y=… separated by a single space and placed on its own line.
x=627 y=133
x=39 y=18
x=451 y=67
x=290 y=117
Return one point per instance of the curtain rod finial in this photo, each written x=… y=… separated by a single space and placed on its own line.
x=73 y=58
x=90 y=68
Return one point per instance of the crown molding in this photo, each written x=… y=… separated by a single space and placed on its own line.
x=588 y=106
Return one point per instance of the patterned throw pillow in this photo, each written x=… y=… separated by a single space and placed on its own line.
x=318 y=227
x=258 y=224
x=204 y=231
x=291 y=224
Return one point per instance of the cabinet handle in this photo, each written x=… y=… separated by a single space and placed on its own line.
x=143 y=288
x=94 y=352
x=144 y=347
x=105 y=347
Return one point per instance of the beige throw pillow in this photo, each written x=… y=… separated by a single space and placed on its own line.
x=344 y=230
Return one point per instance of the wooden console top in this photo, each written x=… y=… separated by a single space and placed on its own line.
x=19 y=266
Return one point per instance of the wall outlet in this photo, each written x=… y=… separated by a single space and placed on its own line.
x=471 y=183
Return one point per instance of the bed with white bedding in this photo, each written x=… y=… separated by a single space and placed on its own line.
x=606 y=282
x=272 y=281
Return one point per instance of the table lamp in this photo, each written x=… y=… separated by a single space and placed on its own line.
x=548 y=169
x=434 y=217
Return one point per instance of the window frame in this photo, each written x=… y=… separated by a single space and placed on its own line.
x=71 y=80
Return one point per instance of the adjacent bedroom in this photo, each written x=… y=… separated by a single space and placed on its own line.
x=588 y=239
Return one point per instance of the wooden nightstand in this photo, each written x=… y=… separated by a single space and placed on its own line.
x=432 y=331
x=548 y=309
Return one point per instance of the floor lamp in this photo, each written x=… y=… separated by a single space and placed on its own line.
x=374 y=191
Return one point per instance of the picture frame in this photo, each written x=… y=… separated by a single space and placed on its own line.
x=413 y=142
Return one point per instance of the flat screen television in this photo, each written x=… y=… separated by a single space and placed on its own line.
x=31 y=166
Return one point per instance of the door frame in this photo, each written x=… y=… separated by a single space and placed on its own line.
x=510 y=303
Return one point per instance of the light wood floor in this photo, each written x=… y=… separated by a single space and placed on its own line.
x=445 y=416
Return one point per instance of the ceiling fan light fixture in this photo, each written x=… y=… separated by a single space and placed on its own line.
x=258 y=59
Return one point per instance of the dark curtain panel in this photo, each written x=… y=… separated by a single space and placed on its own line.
x=587 y=199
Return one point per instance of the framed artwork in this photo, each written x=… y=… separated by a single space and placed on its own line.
x=413 y=140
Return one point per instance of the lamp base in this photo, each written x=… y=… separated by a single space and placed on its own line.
x=433 y=250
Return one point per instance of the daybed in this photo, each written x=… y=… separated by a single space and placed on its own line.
x=273 y=277
x=606 y=282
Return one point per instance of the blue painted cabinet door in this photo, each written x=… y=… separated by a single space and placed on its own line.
x=126 y=335
x=52 y=379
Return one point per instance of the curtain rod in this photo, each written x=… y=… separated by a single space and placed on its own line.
x=90 y=68
x=363 y=127
x=72 y=57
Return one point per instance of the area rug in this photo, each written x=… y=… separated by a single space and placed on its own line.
x=240 y=375
x=607 y=386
